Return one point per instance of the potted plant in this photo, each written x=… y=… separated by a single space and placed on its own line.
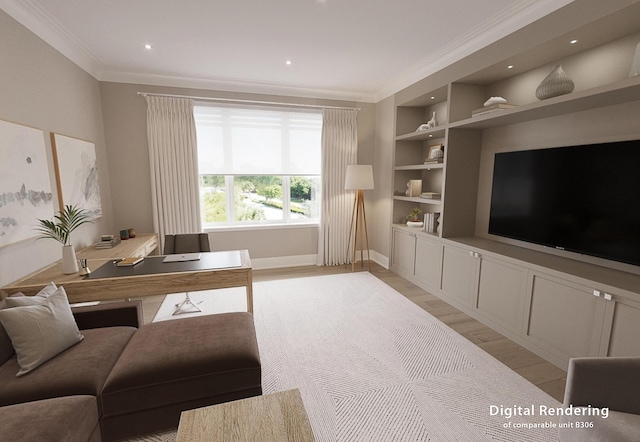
x=66 y=221
x=413 y=219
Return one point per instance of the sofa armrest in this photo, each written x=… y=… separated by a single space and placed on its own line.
x=604 y=382
x=111 y=314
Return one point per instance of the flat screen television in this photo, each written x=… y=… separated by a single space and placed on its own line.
x=584 y=199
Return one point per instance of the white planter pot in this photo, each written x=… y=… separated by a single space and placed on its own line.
x=69 y=261
x=415 y=223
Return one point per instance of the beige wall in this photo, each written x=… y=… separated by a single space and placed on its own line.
x=41 y=88
x=125 y=130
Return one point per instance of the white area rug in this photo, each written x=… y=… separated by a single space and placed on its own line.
x=372 y=366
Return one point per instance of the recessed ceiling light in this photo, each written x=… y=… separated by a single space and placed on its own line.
x=433 y=98
x=288 y=62
x=147 y=46
x=510 y=66
x=573 y=42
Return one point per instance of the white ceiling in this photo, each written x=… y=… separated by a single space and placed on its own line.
x=361 y=50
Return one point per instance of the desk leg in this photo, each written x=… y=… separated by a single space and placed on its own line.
x=250 y=291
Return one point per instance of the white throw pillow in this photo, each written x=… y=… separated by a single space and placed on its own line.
x=40 y=332
x=39 y=298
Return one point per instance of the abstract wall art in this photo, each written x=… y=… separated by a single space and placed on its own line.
x=25 y=187
x=77 y=174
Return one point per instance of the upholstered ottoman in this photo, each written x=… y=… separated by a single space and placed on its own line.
x=177 y=365
x=69 y=419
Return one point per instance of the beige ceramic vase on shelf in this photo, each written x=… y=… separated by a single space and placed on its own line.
x=555 y=84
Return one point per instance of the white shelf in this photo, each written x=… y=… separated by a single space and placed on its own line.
x=423 y=135
x=616 y=93
x=418 y=200
x=421 y=166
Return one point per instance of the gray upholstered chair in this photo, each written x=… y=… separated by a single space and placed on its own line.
x=186 y=243
x=603 y=383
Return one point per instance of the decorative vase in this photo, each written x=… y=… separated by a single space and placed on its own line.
x=432 y=122
x=69 y=261
x=555 y=84
x=635 y=65
x=415 y=223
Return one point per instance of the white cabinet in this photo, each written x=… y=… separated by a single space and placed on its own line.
x=459 y=275
x=620 y=330
x=565 y=319
x=417 y=257
x=501 y=293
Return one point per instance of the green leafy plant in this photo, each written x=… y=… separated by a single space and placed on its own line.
x=66 y=221
x=414 y=215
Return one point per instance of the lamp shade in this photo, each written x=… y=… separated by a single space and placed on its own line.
x=359 y=177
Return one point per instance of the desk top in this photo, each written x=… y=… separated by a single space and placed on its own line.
x=154 y=265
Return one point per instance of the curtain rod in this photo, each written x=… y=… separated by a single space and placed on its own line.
x=232 y=100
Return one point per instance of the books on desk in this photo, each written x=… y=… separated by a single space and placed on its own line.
x=129 y=262
x=107 y=242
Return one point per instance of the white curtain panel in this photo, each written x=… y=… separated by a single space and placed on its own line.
x=171 y=133
x=339 y=149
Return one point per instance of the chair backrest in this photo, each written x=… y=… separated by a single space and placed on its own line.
x=186 y=243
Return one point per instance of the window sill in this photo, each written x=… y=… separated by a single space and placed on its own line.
x=235 y=228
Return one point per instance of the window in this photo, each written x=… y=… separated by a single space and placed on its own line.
x=258 y=165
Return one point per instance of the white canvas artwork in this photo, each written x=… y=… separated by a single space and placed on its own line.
x=25 y=187
x=77 y=174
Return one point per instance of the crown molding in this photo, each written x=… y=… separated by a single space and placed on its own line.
x=31 y=15
x=228 y=85
x=519 y=15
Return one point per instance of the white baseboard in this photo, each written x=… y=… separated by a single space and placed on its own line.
x=305 y=260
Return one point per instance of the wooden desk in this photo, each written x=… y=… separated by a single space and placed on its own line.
x=274 y=417
x=142 y=245
x=80 y=289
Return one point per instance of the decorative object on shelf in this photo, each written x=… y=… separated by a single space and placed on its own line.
x=413 y=219
x=435 y=154
x=422 y=127
x=414 y=188
x=358 y=178
x=124 y=234
x=77 y=174
x=491 y=105
x=430 y=195
x=635 y=65
x=495 y=100
x=555 y=84
x=67 y=220
x=432 y=122
x=132 y=233
x=431 y=222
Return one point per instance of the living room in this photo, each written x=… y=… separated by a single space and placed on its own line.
x=44 y=89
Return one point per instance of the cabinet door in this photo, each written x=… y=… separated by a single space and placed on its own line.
x=428 y=266
x=459 y=275
x=501 y=293
x=620 y=332
x=565 y=318
x=404 y=250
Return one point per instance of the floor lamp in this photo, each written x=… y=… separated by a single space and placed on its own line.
x=359 y=178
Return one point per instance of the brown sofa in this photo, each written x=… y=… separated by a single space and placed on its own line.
x=126 y=379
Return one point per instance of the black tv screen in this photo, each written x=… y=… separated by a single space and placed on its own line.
x=583 y=199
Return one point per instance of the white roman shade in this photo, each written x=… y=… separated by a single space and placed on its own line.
x=258 y=141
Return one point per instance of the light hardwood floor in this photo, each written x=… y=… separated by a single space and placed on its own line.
x=539 y=372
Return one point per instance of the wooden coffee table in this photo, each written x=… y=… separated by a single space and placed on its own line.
x=274 y=417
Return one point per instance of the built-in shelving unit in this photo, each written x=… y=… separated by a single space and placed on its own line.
x=556 y=304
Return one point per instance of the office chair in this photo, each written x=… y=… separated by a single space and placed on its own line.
x=186 y=243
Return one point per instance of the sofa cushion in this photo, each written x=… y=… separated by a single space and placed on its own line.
x=41 y=331
x=182 y=360
x=69 y=419
x=6 y=348
x=81 y=369
x=19 y=300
